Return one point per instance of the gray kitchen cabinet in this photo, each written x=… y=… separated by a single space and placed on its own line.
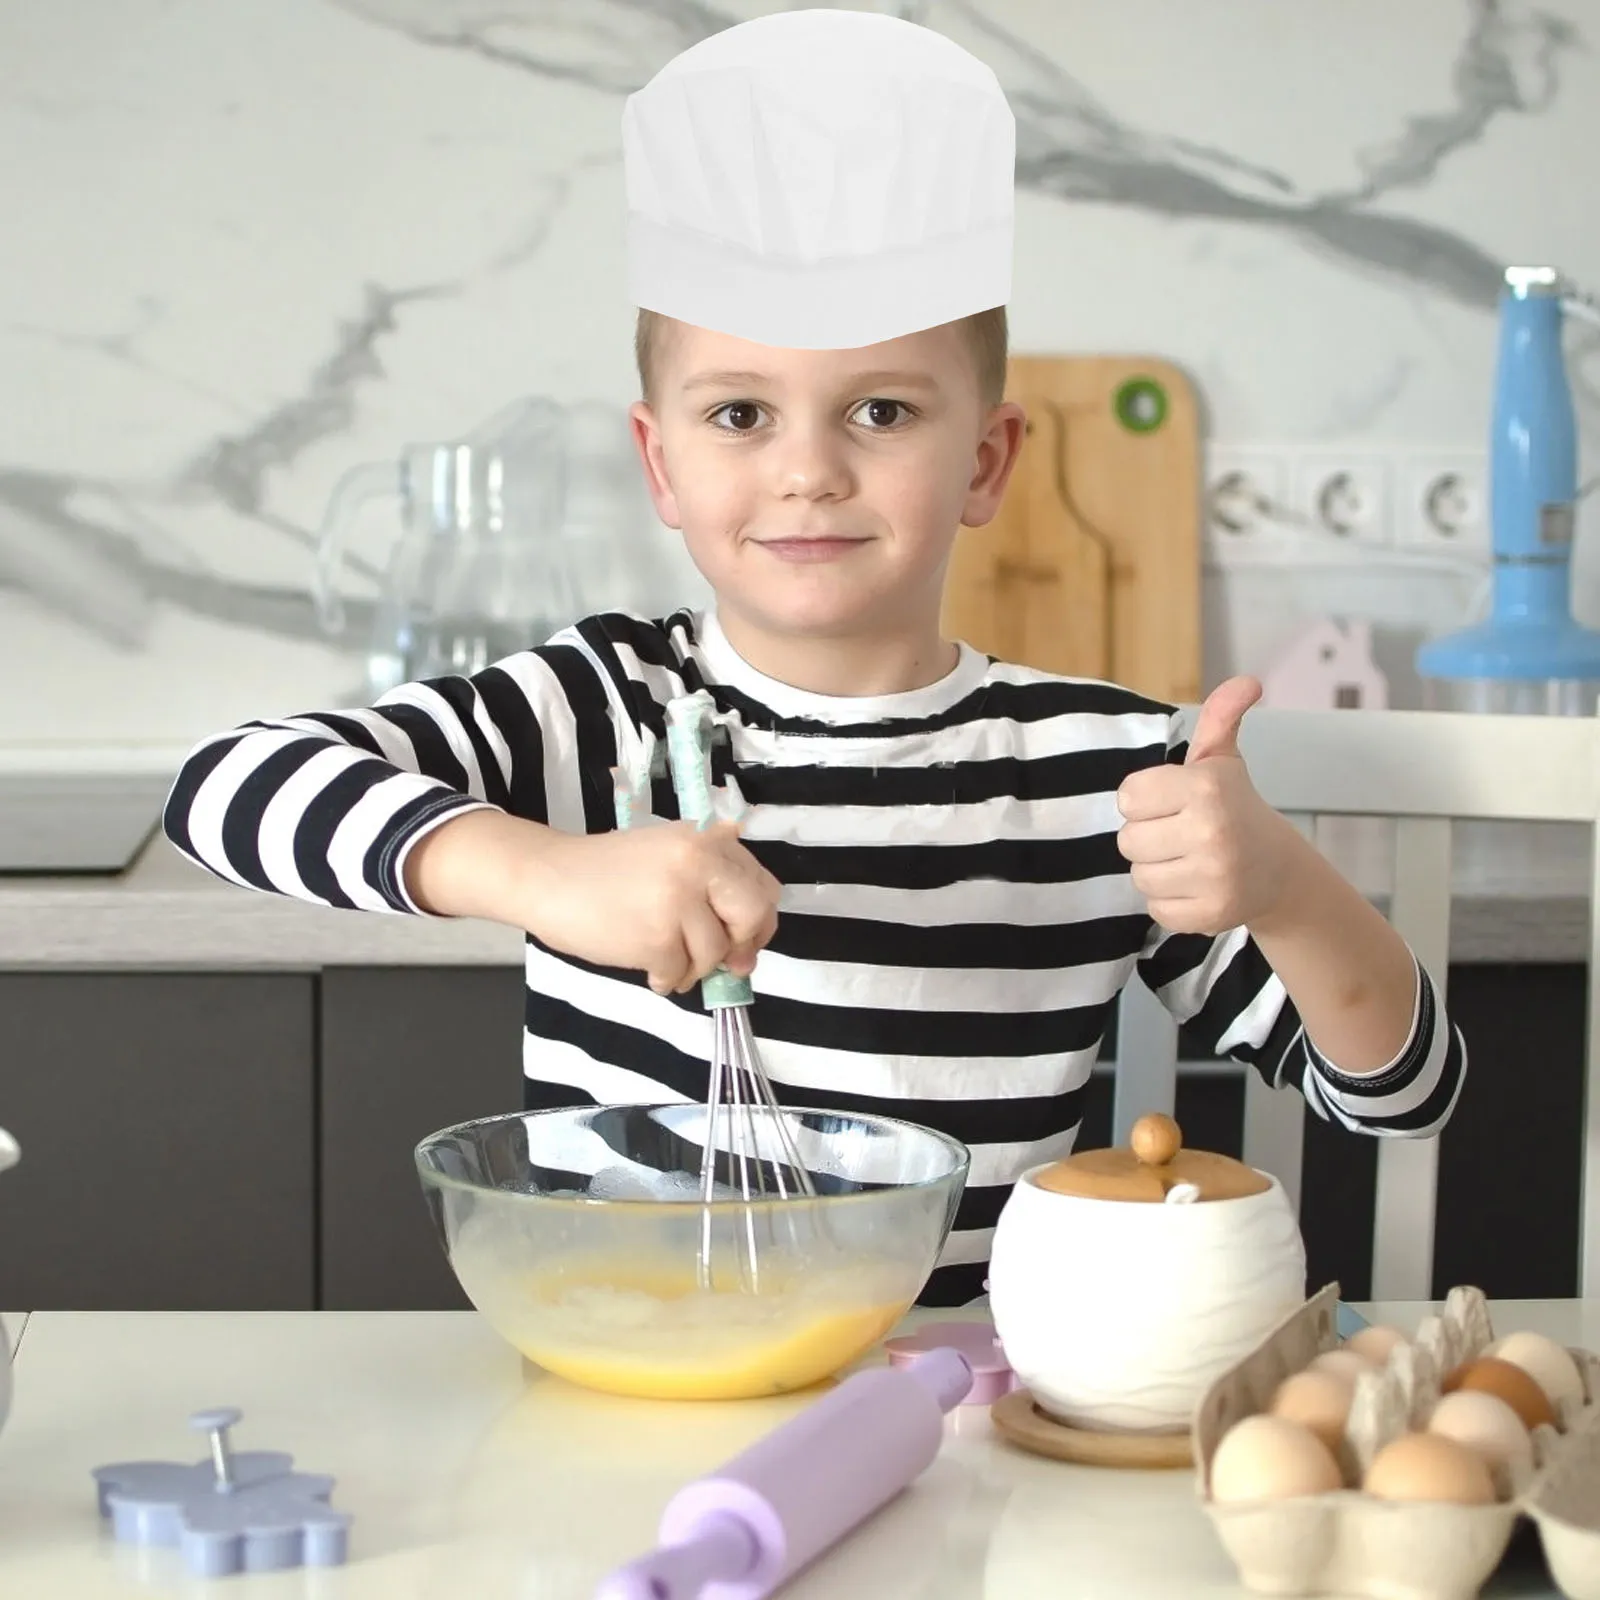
x=403 y=1053
x=243 y=1141
x=166 y=1123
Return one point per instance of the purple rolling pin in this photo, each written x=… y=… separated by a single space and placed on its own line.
x=750 y=1527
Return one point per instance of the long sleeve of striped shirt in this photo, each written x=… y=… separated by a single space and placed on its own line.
x=1234 y=1005
x=326 y=805
x=956 y=921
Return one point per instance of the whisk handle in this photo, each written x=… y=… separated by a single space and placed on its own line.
x=630 y=782
x=691 y=720
x=722 y=988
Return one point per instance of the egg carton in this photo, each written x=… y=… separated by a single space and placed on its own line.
x=1564 y=1502
x=1349 y=1543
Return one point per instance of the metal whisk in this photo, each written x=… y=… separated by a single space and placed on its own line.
x=762 y=1159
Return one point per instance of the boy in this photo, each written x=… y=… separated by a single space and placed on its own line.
x=952 y=865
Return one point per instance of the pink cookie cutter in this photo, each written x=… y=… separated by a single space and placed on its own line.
x=992 y=1376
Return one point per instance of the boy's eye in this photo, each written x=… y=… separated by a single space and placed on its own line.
x=876 y=409
x=739 y=408
x=743 y=414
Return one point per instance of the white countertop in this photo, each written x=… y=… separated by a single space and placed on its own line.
x=467 y=1479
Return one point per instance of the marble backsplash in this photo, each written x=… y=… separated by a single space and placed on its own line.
x=254 y=244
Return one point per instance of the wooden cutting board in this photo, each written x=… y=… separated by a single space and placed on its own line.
x=1092 y=566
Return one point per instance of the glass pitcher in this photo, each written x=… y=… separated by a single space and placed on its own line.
x=485 y=563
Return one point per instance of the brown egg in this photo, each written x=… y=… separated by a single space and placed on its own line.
x=1316 y=1400
x=1428 y=1466
x=1375 y=1344
x=1491 y=1375
x=1271 y=1458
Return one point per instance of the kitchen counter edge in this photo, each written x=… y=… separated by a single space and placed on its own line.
x=167 y=913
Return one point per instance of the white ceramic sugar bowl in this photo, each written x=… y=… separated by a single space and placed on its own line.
x=9 y=1154
x=1122 y=1282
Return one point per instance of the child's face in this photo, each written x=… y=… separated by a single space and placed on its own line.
x=820 y=491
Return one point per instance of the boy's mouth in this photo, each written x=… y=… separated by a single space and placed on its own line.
x=826 y=547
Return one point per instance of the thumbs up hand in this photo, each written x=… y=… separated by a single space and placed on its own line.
x=1216 y=733
x=1207 y=852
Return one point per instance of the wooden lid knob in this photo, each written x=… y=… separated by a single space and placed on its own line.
x=1150 y=1167
x=1155 y=1139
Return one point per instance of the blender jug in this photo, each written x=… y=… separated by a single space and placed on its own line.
x=483 y=566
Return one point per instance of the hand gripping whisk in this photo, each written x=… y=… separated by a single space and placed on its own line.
x=745 y=1125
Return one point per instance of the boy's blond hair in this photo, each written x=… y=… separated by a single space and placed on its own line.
x=985 y=332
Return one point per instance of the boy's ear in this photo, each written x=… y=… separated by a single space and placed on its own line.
x=996 y=459
x=646 y=431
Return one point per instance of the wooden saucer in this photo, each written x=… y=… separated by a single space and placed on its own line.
x=1026 y=1426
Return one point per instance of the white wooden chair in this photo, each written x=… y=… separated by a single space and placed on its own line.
x=1426 y=770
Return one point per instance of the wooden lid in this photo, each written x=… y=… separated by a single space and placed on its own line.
x=1155 y=1163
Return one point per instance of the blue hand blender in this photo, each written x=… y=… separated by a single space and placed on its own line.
x=1529 y=655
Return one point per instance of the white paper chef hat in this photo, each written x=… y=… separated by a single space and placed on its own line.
x=820 y=179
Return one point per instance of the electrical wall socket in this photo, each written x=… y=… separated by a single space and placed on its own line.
x=1247 y=498
x=1444 y=503
x=1344 y=497
x=1334 y=504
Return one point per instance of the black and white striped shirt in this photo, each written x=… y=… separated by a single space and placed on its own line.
x=956 y=921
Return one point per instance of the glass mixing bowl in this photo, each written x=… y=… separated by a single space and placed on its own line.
x=579 y=1234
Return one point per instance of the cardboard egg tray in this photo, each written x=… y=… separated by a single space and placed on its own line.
x=1349 y=1543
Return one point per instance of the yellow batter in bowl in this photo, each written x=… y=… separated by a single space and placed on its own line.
x=630 y=1328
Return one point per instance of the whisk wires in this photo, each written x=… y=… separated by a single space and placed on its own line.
x=763 y=1159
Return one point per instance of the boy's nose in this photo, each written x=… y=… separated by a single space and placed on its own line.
x=808 y=460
